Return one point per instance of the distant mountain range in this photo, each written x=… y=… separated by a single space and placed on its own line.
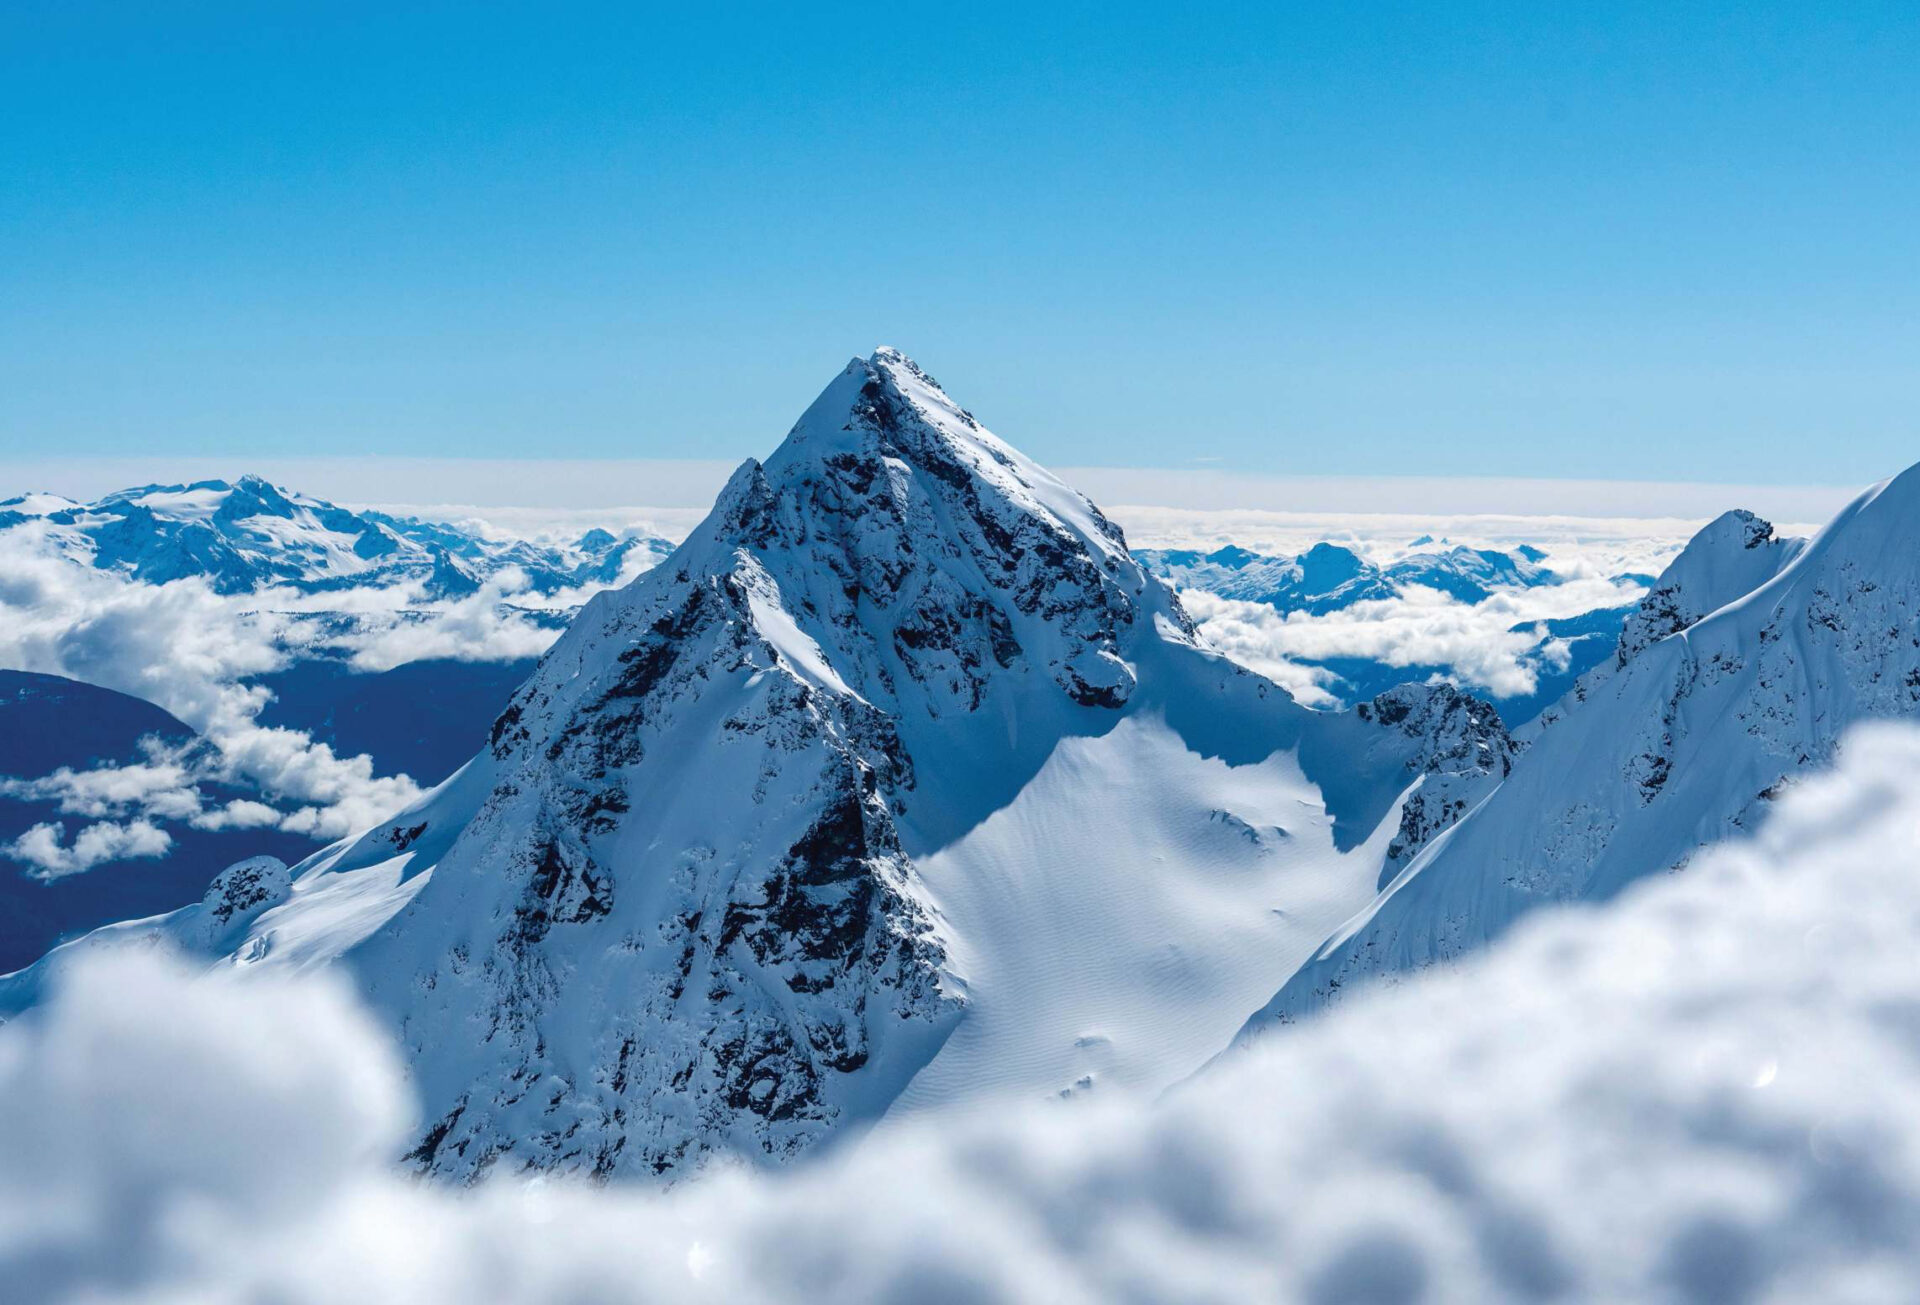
x=249 y=535
x=902 y=783
x=1331 y=578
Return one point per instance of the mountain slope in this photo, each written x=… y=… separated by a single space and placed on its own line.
x=899 y=783
x=1717 y=699
x=1728 y=558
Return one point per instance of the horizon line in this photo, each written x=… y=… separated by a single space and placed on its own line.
x=692 y=483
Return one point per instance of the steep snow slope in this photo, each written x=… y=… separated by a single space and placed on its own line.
x=1718 y=699
x=900 y=781
x=248 y=534
x=1729 y=558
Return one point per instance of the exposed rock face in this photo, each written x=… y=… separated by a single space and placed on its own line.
x=1683 y=741
x=245 y=889
x=900 y=782
x=1460 y=754
x=680 y=916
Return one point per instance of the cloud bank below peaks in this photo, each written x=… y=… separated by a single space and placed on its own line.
x=189 y=651
x=1701 y=1093
x=194 y=652
x=1496 y=646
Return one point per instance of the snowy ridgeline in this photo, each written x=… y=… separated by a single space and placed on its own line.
x=1735 y=678
x=901 y=784
x=1701 y=1094
x=903 y=788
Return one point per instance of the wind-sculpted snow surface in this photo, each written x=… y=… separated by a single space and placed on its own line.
x=1699 y=1094
x=1719 y=700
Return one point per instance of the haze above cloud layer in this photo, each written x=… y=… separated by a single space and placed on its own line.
x=664 y=491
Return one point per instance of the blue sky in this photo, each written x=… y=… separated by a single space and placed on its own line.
x=1637 y=241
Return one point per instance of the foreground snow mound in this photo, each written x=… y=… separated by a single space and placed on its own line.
x=1699 y=1094
x=1717 y=701
x=899 y=784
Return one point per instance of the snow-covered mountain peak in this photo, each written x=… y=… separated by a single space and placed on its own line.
x=886 y=407
x=922 y=556
x=899 y=782
x=1731 y=556
x=1739 y=673
x=682 y=878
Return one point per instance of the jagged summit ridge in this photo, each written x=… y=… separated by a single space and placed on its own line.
x=714 y=764
x=1731 y=556
x=914 y=512
x=898 y=783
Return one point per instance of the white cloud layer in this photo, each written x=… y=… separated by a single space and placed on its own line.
x=43 y=849
x=478 y=628
x=1701 y=1094
x=183 y=647
x=189 y=650
x=1477 y=641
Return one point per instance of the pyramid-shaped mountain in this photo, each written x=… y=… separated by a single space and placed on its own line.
x=899 y=784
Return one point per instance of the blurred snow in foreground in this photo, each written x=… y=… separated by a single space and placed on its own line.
x=1704 y=1092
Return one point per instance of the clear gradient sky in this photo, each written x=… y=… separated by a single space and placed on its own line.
x=1637 y=241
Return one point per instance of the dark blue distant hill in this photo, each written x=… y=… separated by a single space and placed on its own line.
x=47 y=722
x=423 y=719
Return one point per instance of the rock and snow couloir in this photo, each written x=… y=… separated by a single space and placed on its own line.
x=1741 y=669
x=900 y=783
